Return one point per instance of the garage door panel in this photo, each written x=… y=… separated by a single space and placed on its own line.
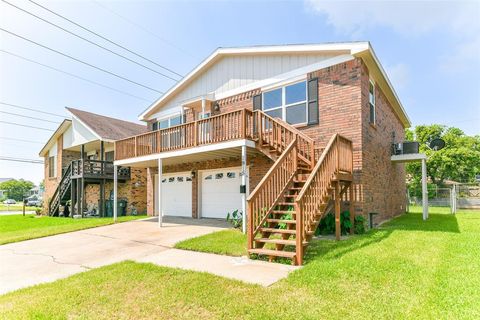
x=220 y=193
x=177 y=194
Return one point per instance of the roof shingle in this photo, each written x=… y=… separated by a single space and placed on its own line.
x=108 y=128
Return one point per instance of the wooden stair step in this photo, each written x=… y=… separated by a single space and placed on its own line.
x=283 y=212
x=281 y=221
x=286 y=204
x=279 y=241
x=295 y=188
x=291 y=196
x=274 y=230
x=275 y=253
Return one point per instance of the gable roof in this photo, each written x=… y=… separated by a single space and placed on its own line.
x=66 y=123
x=356 y=49
x=107 y=128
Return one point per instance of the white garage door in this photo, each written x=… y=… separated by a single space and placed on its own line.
x=220 y=192
x=176 y=194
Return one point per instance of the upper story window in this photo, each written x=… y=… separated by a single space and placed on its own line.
x=288 y=103
x=168 y=122
x=371 y=100
x=51 y=167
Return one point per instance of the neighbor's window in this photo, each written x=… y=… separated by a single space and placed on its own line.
x=288 y=103
x=51 y=167
x=371 y=99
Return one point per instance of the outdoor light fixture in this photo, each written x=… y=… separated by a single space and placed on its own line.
x=216 y=107
x=192 y=175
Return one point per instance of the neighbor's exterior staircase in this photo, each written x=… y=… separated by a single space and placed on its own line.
x=62 y=193
x=285 y=208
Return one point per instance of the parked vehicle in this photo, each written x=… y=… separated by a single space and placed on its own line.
x=34 y=202
x=9 y=201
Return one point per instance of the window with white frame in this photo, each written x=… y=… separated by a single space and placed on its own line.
x=371 y=100
x=288 y=103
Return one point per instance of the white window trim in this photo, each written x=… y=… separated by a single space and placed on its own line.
x=372 y=82
x=284 y=106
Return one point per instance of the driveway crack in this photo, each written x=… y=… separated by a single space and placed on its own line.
x=54 y=260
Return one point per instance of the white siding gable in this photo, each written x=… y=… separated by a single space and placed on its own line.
x=239 y=71
x=80 y=133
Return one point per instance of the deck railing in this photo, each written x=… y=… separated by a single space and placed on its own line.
x=97 y=169
x=224 y=127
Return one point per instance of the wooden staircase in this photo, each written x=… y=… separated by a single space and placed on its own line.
x=61 y=193
x=286 y=207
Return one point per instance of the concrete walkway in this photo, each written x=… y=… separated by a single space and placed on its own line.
x=31 y=262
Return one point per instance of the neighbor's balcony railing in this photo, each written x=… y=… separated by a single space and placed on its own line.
x=224 y=127
x=97 y=169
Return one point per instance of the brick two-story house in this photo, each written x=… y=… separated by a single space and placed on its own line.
x=284 y=134
x=79 y=167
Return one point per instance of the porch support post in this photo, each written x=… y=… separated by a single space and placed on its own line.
x=115 y=192
x=204 y=103
x=244 y=185
x=159 y=194
x=352 y=208
x=424 y=189
x=337 y=211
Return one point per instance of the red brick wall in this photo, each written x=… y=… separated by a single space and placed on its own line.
x=133 y=190
x=343 y=109
x=384 y=187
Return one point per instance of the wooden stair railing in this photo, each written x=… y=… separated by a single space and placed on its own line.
x=277 y=135
x=312 y=202
x=62 y=188
x=270 y=189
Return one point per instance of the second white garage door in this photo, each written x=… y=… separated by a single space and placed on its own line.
x=220 y=192
x=176 y=194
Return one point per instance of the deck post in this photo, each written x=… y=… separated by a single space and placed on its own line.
x=159 y=194
x=115 y=192
x=424 y=189
x=337 y=211
x=352 y=208
x=244 y=185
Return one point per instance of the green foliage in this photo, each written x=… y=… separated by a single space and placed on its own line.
x=287 y=216
x=458 y=161
x=359 y=227
x=235 y=219
x=16 y=189
x=327 y=224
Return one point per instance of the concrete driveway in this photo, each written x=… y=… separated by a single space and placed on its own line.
x=47 y=259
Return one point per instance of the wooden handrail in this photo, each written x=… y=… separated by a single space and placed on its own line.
x=278 y=134
x=336 y=158
x=270 y=189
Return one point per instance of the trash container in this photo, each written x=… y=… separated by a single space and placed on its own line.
x=121 y=208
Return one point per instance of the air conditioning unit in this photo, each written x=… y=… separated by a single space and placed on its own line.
x=407 y=147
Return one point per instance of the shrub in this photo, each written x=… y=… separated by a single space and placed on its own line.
x=235 y=218
x=327 y=224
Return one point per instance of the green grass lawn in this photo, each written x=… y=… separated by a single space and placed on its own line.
x=16 y=207
x=231 y=242
x=406 y=269
x=17 y=227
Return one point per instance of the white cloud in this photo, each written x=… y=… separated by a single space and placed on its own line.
x=408 y=18
x=459 y=20
x=399 y=75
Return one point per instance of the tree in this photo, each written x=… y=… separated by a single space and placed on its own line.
x=16 y=189
x=458 y=161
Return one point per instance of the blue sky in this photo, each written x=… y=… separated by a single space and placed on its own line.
x=430 y=50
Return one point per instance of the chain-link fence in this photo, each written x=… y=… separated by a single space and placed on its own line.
x=457 y=196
